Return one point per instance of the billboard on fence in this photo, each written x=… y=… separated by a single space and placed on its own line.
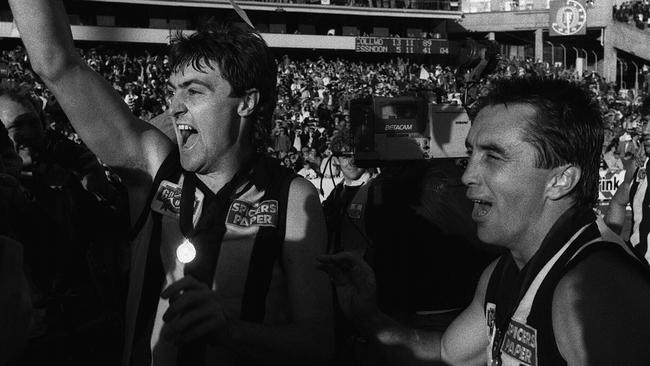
x=609 y=182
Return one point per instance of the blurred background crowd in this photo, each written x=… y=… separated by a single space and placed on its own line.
x=314 y=95
x=635 y=12
x=68 y=210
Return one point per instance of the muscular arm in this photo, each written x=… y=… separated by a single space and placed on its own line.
x=615 y=216
x=96 y=111
x=463 y=343
x=600 y=313
x=309 y=337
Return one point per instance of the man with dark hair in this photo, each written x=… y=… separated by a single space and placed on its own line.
x=227 y=234
x=568 y=290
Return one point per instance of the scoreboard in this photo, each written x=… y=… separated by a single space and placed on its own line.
x=402 y=45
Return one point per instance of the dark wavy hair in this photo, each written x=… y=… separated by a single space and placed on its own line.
x=567 y=128
x=244 y=60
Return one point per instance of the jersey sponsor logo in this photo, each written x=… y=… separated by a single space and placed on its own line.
x=247 y=214
x=520 y=342
x=490 y=316
x=167 y=200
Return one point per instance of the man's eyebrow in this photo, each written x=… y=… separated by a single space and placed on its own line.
x=189 y=82
x=488 y=147
x=493 y=147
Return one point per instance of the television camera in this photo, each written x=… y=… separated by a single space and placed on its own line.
x=389 y=130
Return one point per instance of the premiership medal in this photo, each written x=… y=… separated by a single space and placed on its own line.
x=186 y=252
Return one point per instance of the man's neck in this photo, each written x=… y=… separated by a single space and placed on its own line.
x=225 y=170
x=356 y=182
x=526 y=248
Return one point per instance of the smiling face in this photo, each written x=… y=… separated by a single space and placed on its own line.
x=208 y=127
x=350 y=171
x=508 y=191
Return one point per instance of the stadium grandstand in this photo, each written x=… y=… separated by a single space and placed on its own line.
x=587 y=35
x=329 y=53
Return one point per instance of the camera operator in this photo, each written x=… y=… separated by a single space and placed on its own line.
x=345 y=203
x=410 y=222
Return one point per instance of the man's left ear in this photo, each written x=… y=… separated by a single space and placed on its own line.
x=248 y=102
x=563 y=180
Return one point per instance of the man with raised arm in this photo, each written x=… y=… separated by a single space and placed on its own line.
x=223 y=259
x=567 y=291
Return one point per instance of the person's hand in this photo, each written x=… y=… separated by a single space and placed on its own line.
x=194 y=312
x=355 y=282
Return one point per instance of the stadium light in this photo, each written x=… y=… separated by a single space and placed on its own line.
x=621 y=62
x=563 y=55
x=577 y=57
x=596 y=60
x=552 y=52
x=586 y=58
x=636 y=77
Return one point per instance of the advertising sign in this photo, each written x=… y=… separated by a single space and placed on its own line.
x=567 y=18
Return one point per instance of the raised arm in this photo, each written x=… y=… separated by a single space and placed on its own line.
x=615 y=216
x=98 y=114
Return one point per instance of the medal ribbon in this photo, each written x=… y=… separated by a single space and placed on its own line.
x=206 y=237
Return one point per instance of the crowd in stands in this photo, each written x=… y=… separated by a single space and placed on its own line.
x=311 y=123
x=314 y=95
x=635 y=12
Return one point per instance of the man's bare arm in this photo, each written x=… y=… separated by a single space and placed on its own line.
x=98 y=114
x=600 y=313
x=463 y=343
x=615 y=216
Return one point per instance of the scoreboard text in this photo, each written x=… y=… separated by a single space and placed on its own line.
x=402 y=45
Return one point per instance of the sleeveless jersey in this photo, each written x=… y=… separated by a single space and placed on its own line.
x=518 y=303
x=248 y=275
x=640 y=202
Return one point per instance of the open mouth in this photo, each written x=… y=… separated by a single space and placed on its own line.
x=188 y=135
x=481 y=208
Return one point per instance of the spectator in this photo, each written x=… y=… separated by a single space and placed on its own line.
x=307 y=171
x=281 y=141
x=612 y=156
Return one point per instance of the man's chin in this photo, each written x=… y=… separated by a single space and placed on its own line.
x=189 y=163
